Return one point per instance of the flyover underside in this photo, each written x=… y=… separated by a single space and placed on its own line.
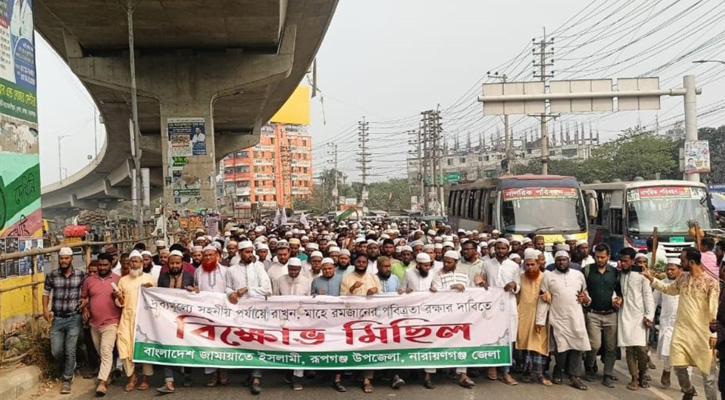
x=234 y=70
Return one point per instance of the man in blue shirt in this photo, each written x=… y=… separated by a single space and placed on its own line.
x=329 y=282
x=388 y=281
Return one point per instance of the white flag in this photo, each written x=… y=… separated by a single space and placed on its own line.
x=303 y=221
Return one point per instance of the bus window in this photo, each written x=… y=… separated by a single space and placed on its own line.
x=615 y=221
x=482 y=206
x=491 y=202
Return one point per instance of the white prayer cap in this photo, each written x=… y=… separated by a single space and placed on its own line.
x=468 y=233
x=438 y=246
x=562 y=247
x=146 y=253
x=483 y=244
x=245 y=245
x=640 y=255
x=398 y=249
x=344 y=252
x=294 y=241
x=328 y=261
x=210 y=247
x=515 y=239
x=527 y=241
x=316 y=254
x=569 y=237
x=495 y=231
x=454 y=237
x=262 y=247
x=438 y=239
x=475 y=232
x=431 y=232
x=334 y=249
x=530 y=254
x=227 y=233
x=370 y=241
x=502 y=240
x=406 y=248
x=461 y=230
x=491 y=241
x=313 y=246
x=176 y=253
x=199 y=230
x=428 y=247
x=422 y=258
x=217 y=245
x=360 y=240
x=581 y=242
x=260 y=239
x=416 y=243
x=288 y=234
x=160 y=243
x=259 y=229
x=448 y=244
x=448 y=238
x=232 y=243
x=452 y=254
x=134 y=253
x=675 y=261
x=384 y=236
x=304 y=238
x=197 y=248
x=294 y=262
x=514 y=256
x=561 y=253
x=464 y=240
x=65 y=251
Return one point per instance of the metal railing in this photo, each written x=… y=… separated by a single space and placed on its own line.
x=36 y=313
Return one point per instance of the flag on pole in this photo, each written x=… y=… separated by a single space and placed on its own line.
x=277 y=217
x=344 y=215
x=303 y=221
x=283 y=216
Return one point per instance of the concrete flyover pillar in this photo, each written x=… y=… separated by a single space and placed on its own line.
x=186 y=85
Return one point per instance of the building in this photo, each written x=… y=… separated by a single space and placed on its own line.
x=278 y=169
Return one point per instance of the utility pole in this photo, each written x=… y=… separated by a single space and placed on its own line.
x=507 y=131
x=136 y=133
x=425 y=161
x=333 y=152
x=438 y=129
x=284 y=155
x=364 y=167
x=418 y=153
x=542 y=64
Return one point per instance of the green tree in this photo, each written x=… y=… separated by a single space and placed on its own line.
x=716 y=139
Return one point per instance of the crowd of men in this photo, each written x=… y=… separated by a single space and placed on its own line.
x=575 y=305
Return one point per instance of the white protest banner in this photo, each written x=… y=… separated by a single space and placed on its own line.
x=416 y=330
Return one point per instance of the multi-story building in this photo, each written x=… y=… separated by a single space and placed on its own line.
x=278 y=169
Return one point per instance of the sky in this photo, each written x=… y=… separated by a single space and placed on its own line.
x=388 y=60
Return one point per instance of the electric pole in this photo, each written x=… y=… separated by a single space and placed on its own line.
x=364 y=167
x=542 y=64
x=507 y=131
x=284 y=155
x=418 y=153
x=333 y=152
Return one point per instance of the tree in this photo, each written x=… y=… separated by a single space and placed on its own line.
x=716 y=139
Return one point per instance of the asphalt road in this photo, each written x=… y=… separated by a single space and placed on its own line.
x=275 y=388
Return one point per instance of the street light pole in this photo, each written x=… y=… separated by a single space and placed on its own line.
x=60 y=155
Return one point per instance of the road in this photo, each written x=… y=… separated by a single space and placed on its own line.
x=275 y=388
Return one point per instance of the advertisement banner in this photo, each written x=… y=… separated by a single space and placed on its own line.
x=540 y=193
x=697 y=157
x=665 y=192
x=416 y=330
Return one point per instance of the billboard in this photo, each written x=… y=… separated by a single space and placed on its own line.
x=296 y=110
x=20 y=211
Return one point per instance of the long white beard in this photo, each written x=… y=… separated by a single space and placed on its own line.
x=135 y=273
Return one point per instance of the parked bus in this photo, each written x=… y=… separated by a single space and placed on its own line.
x=548 y=205
x=624 y=214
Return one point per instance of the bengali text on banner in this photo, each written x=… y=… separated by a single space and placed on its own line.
x=415 y=330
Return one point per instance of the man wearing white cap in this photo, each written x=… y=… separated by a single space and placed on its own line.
x=211 y=277
x=263 y=255
x=313 y=266
x=160 y=245
x=328 y=283
x=419 y=279
x=127 y=298
x=343 y=263
x=279 y=265
x=373 y=252
x=64 y=284
x=582 y=251
x=636 y=315
x=149 y=267
x=197 y=253
x=430 y=250
x=405 y=262
x=567 y=291
x=534 y=343
x=450 y=278
x=175 y=278
x=668 y=314
x=500 y=271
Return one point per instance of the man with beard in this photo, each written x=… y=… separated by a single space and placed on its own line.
x=668 y=316
x=582 y=251
x=450 y=278
x=211 y=277
x=294 y=249
x=197 y=254
x=502 y=272
x=163 y=258
x=65 y=284
x=567 y=292
x=438 y=250
x=516 y=246
x=314 y=266
x=605 y=292
x=405 y=263
x=419 y=279
x=279 y=267
x=343 y=263
x=388 y=281
x=471 y=265
x=175 y=278
x=334 y=253
x=430 y=250
x=149 y=267
x=388 y=249
x=328 y=283
x=360 y=282
x=692 y=342
x=540 y=244
x=127 y=297
x=636 y=315
x=533 y=342
x=103 y=316
x=373 y=252
x=483 y=250
x=232 y=248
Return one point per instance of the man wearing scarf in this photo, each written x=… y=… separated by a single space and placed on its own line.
x=535 y=344
x=126 y=297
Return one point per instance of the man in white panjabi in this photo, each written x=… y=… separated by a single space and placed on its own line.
x=668 y=314
x=500 y=271
x=211 y=277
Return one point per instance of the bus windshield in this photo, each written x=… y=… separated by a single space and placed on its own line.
x=542 y=209
x=668 y=208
